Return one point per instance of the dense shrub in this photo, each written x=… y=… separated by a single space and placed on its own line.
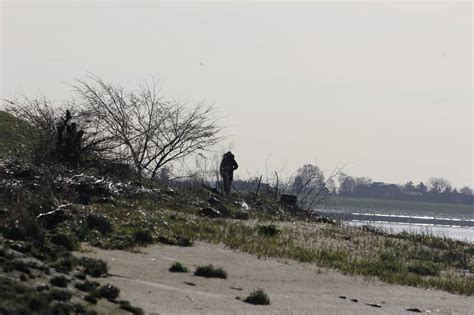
x=258 y=297
x=94 y=267
x=109 y=292
x=178 y=267
x=210 y=271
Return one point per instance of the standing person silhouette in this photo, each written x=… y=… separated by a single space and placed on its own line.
x=227 y=168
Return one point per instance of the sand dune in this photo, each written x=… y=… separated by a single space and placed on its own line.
x=294 y=288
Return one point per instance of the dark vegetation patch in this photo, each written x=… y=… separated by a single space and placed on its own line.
x=18 y=138
x=109 y=292
x=94 y=267
x=269 y=230
x=258 y=297
x=99 y=223
x=143 y=237
x=178 y=267
x=87 y=286
x=60 y=294
x=59 y=281
x=209 y=271
x=424 y=269
x=66 y=240
x=125 y=305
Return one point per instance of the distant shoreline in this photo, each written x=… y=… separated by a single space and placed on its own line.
x=398 y=207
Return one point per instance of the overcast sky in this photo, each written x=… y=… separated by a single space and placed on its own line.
x=385 y=88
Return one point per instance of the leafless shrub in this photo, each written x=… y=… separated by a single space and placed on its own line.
x=142 y=127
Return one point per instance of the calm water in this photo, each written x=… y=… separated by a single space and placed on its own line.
x=460 y=228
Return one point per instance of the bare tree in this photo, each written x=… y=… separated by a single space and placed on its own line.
x=311 y=186
x=438 y=185
x=46 y=117
x=144 y=128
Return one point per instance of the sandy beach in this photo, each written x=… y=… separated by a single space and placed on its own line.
x=293 y=287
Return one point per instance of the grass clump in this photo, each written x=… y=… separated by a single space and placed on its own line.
x=178 y=267
x=269 y=230
x=424 y=269
x=258 y=297
x=94 y=267
x=210 y=271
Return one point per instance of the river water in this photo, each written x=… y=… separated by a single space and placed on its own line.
x=460 y=228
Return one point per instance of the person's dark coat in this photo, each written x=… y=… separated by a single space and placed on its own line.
x=227 y=168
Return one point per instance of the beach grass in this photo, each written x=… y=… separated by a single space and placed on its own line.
x=421 y=260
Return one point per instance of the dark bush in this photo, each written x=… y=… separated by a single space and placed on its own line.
x=39 y=302
x=80 y=275
x=59 y=281
x=25 y=229
x=184 y=241
x=65 y=240
x=87 y=286
x=258 y=297
x=268 y=230
x=143 y=236
x=99 y=223
x=125 y=305
x=109 y=292
x=94 y=267
x=178 y=267
x=61 y=308
x=60 y=295
x=210 y=271
x=65 y=264
x=21 y=266
x=91 y=299
x=176 y=241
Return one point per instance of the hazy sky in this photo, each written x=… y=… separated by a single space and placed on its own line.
x=384 y=87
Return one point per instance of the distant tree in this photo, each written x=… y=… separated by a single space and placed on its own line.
x=363 y=181
x=331 y=185
x=438 y=185
x=311 y=186
x=448 y=190
x=421 y=188
x=347 y=185
x=466 y=190
x=308 y=178
x=340 y=178
x=409 y=186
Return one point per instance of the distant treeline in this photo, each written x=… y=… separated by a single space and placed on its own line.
x=436 y=190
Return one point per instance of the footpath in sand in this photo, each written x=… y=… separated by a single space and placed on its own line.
x=293 y=288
